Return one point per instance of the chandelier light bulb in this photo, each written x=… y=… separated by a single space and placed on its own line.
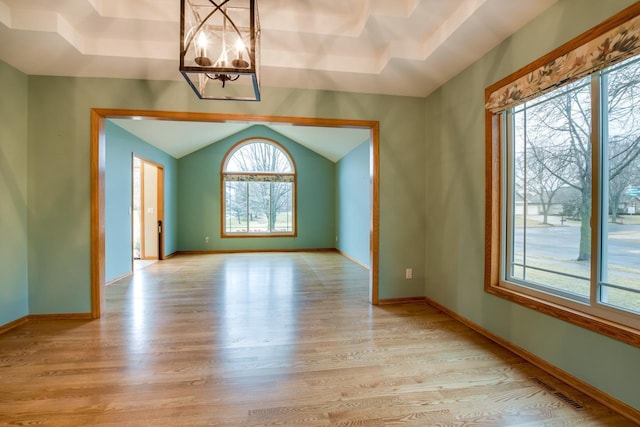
x=239 y=62
x=201 y=50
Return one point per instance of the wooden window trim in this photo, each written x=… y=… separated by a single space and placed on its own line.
x=493 y=207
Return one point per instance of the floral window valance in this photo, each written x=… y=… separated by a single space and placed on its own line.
x=259 y=177
x=609 y=48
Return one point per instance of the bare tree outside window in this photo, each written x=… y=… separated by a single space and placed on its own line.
x=260 y=156
x=536 y=185
x=555 y=137
x=553 y=178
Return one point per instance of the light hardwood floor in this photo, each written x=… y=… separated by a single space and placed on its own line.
x=271 y=339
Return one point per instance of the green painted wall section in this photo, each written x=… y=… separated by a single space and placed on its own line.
x=455 y=210
x=353 y=204
x=14 y=286
x=59 y=171
x=120 y=146
x=199 y=197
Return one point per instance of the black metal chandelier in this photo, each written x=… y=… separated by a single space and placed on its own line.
x=220 y=43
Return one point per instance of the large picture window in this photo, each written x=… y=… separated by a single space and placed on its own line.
x=258 y=185
x=563 y=184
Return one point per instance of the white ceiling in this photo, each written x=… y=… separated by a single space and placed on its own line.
x=181 y=138
x=399 y=47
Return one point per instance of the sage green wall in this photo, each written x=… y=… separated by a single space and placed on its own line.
x=199 y=197
x=455 y=210
x=59 y=167
x=353 y=204
x=14 y=286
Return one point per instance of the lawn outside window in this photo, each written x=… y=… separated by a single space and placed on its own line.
x=258 y=189
x=563 y=181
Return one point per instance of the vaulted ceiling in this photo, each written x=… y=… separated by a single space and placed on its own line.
x=399 y=47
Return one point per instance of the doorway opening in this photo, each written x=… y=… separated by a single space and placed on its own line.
x=147 y=212
x=98 y=139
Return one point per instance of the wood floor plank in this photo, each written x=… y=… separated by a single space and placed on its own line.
x=274 y=339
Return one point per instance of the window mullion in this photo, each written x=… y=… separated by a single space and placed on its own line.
x=597 y=195
x=271 y=214
x=248 y=215
x=508 y=196
x=525 y=197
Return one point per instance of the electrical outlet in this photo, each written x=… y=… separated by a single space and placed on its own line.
x=408 y=273
x=206 y=239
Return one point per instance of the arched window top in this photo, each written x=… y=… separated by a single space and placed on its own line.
x=258 y=156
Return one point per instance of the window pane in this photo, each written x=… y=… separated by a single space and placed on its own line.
x=550 y=192
x=259 y=202
x=259 y=157
x=621 y=188
x=282 y=206
x=236 y=207
x=251 y=206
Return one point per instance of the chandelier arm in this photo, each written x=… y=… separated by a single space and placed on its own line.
x=221 y=76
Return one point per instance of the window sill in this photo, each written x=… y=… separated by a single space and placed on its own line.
x=602 y=326
x=262 y=235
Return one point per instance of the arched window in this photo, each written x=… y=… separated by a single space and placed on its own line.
x=258 y=185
